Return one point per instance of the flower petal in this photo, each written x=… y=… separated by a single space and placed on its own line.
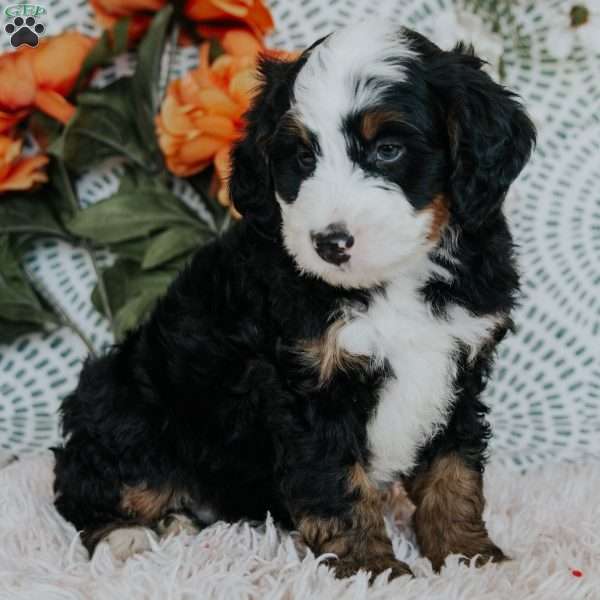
x=252 y=13
x=25 y=174
x=223 y=162
x=17 y=81
x=57 y=61
x=174 y=117
x=186 y=170
x=242 y=87
x=200 y=149
x=9 y=120
x=239 y=42
x=217 y=102
x=215 y=125
x=54 y=105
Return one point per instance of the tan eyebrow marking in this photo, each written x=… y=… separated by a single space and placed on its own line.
x=294 y=125
x=373 y=120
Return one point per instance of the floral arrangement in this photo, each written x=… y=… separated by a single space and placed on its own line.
x=57 y=122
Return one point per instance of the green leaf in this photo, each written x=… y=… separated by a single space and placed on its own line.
x=146 y=80
x=118 y=120
x=134 y=179
x=171 y=244
x=10 y=331
x=131 y=215
x=28 y=213
x=18 y=302
x=134 y=312
x=132 y=249
x=62 y=194
x=110 y=45
x=132 y=292
x=102 y=128
x=45 y=129
x=215 y=50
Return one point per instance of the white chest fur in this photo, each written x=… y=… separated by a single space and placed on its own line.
x=413 y=405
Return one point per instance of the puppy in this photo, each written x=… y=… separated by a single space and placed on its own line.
x=335 y=341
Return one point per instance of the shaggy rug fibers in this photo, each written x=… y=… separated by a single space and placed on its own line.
x=548 y=521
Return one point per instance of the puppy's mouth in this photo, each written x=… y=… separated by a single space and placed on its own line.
x=333 y=244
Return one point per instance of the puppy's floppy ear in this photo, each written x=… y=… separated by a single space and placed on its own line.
x=250 y=182
x=491 y=137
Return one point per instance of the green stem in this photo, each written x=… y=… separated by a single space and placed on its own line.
x=63 y=318
x=172 y=51
x=66 y=185
x=72 y=199
x=66 y=321
x=35 y=229
x=102 y=291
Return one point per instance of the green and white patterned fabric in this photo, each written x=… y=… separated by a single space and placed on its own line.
x=545 y=394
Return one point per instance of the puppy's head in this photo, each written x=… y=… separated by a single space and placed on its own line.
x=364 y=149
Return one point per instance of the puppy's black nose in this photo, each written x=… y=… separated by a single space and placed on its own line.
x=332 y=245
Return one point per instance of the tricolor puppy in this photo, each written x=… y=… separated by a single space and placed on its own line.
x=335 y=341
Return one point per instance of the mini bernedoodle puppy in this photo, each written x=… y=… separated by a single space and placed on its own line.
x=336 y=340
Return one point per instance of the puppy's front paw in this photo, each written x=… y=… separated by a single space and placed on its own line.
x=485 y=553
x=127 y=541
x=346 y=567
x=176 y=523
x=490 y=553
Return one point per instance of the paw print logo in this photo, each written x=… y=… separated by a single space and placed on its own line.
x=24 y=31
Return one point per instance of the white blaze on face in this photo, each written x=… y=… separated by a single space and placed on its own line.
x=345 y=74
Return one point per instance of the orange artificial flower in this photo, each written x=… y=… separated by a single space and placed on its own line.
x=206 y=13
x=18 y=172
x=202 y=114
x=17 y=89
x=108 y=12
x=252 y=13
x=41 y=77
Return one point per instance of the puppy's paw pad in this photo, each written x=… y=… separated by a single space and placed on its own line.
x=127 y=541
x=175 y=524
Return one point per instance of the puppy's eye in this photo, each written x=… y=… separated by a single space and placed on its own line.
x=388 y=152
x=305 y=158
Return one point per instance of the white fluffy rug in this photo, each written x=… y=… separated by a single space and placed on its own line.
x=548 y=521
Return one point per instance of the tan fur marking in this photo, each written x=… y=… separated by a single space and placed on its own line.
x=360 y=541
x=292 y=124
x=146 y=504
x=141 y=506
x=325 y=355
x=449 y=514
x=374 y=120
x=440 y=217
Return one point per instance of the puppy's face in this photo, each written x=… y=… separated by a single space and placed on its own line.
x=370 y=152
x=359 y=172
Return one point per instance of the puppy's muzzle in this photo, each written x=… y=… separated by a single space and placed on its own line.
x=333 y=243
